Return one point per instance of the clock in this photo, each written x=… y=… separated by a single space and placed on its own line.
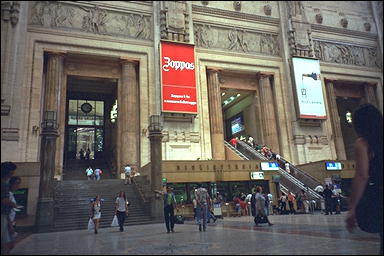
x=86 y=108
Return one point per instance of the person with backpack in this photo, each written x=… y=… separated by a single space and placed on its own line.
x=169 y=208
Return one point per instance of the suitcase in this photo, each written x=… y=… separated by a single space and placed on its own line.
x=260 y=219
x=179 y=219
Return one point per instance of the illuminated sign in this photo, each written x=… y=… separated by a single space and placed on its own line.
x=269 y=166
x=178 y=80
x=308 y=88
x=257 y=175
x=333 y=166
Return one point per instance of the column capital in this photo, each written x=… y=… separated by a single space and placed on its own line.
x=128 y=60
x=55 y=52
x=330 y=80
x=262 y=75
x=213 y=70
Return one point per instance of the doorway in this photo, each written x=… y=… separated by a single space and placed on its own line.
x=90 y=126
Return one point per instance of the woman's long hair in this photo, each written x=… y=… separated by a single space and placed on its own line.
x=125 y=198
x=368 y=123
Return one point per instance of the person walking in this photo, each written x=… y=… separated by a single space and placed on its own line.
x=81 y=152
x=169 y=208
x=304 y=199
x=89 y=172
x=98 y=173
x=121 y=209
x=7 y=171
x=327 y=194
x=291 y=200
x=202 y=198
x=128 y=172
x=283 y=200
x=88 y=154
x=368 y=180
x=14 y=183
x=95 y=212
x=260 y=204
x=270 y=198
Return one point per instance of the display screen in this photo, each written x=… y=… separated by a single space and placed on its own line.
x=332 y=166
x=237 y=125
x=257 y=175
x=269 y=166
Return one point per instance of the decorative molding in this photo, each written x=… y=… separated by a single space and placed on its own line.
x=5 y=109
x=299 y=139
x=343 y=31
x=234 y=14
x=181 y=136
x=310 y=139
x=94 y=20
x=15 y=10
x=6 y=7
x=10 y=134
x=235 y=39
x=347 y=54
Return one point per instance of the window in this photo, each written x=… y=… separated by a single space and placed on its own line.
x=86 y=112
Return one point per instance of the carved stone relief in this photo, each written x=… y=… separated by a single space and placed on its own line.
x=95 y=20
x=174 y=21
x=344 y=22
x=367 y=26
x=319 y=18
x=347 y=54
x=237 y=40
x=267 y=10
x=237 y=5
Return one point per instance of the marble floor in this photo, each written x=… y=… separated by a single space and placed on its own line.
x=291 y=234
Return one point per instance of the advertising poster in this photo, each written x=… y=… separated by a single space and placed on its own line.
x=178 y=82
x=308 y=88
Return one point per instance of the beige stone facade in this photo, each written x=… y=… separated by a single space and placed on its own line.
x=238 y=44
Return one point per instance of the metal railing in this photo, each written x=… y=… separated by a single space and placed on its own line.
x=235 y=150
x=287 y=179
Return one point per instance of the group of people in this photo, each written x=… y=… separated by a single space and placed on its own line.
x=302 y=200
x=93 y=174
x=263 y=149
x=85 y=155
x=121 y=210
x=332 y=196
x=9 y=207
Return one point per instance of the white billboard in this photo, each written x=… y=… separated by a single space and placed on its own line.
x=308 y=88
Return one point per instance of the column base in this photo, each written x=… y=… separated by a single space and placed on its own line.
x=45 y=215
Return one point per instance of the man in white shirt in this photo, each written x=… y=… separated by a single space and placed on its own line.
x=319 y=189
x=89 y=172
x=287 y=168
x=128 y=172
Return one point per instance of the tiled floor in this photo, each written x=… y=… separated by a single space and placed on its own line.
x=290 y=234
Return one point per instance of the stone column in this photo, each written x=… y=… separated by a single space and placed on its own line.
x=215 y=115
x=128 y=115
x=335 y=120
x=155 y=137
x=268 y=115
x=45 y=207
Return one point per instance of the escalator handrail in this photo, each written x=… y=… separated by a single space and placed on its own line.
x=292 y=179
x=314 y=180
x=236 y=150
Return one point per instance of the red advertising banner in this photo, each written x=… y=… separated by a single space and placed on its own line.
x=178 y=92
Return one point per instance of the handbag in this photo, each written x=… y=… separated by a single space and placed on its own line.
x=368 y=210
x=91 y=225
x=115 y=222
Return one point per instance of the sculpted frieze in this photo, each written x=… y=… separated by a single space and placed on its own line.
x=95 y=20
x=347 y=54
x=236 y=40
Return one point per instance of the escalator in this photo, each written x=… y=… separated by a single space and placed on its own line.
x=301 y=180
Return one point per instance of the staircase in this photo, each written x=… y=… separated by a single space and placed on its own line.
x=72 y=203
